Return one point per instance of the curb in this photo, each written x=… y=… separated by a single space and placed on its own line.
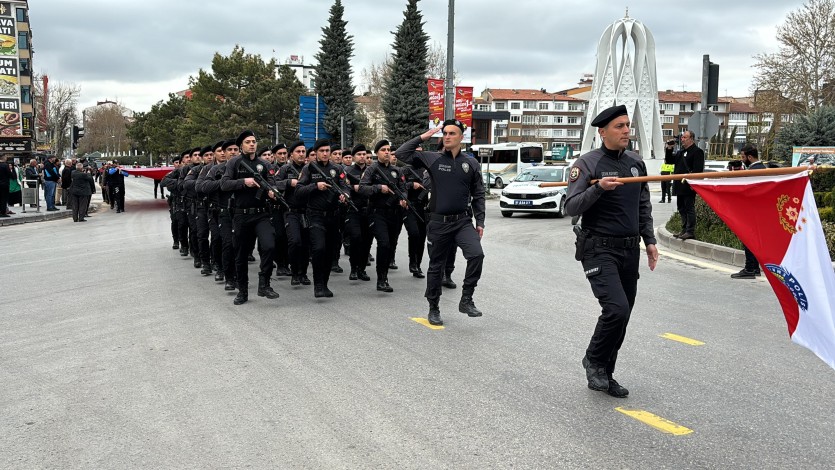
x=709 y=251
x=42 y=216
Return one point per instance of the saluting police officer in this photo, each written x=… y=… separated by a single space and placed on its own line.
x=252 y=218
x=615 y=218
x=458 y=197
x=295 y=221
x=323 y=200
x=357 y=224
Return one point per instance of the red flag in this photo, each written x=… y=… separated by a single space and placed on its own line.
x=776 y=218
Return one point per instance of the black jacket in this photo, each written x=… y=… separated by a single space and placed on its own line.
x=689 y=160
x=82 y=184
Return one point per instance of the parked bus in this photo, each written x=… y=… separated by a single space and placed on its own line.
x=508 y=160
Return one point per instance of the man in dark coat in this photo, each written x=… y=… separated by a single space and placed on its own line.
x=82 y=187
x=690 y=159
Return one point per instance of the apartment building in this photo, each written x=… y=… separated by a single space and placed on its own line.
x=17 y=101
x=554 y=119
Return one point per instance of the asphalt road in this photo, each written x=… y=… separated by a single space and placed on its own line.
x=116 y=353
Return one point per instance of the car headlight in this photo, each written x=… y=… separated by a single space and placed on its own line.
x=550 y=194
x=504 y=193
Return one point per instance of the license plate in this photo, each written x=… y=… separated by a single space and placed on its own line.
x=522 y=203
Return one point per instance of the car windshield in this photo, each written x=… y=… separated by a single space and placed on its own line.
x=541 y=174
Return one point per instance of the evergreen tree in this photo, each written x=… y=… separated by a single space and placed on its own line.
x=333 y=75
x=406 y=99
x=811 y=130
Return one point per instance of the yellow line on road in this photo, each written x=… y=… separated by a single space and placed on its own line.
x=426 y=323
x=682 y=339
x=657 y=422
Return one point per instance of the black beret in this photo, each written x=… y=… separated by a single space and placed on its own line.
x=358 y=148
x=294 y=145
x=261 y=151
x=244 y=135
x=279 y=147
x=607 y=115
x=196 y=149
x=218 y=145
x=346 y=151
x=228 y=144
x=206 y=150
x=454 y=122
x=175 y=159
x=381 y=144
x=321 y=143
x=185 y=153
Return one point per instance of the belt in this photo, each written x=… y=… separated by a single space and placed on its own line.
x=322 y=213
x=297 y=211
x=385 y=210
x=250 y=210
x=450 y=218
x=616 y=242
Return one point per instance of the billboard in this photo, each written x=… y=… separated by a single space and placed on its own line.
x=818 y=155
x=463 y=106
x=11 y=124
x=464 y=110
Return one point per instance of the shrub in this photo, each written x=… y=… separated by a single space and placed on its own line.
x=827 y=214
x=709 y=227
x=823 y=181
x=829 y=234
x=826 y=200
x=820 y=198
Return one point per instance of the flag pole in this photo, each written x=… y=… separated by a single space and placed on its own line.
x=698 y=176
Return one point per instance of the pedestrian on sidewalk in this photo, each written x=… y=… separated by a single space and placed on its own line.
x=667 y=168
x=51 y=177
x=5 y=185
x=81 y=190
x=15 y=187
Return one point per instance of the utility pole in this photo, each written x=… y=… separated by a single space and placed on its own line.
x=703 y=111
x=449 y=85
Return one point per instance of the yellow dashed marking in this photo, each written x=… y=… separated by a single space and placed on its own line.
x=657 y=422
x=425 y=322
x=682 y=339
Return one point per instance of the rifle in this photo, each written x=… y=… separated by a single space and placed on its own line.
x=398 y=192
x=263 y=183
x=333 y=186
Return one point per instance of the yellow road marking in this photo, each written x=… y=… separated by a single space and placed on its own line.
x=682 y=339
x=425 y=322
x=657 y=422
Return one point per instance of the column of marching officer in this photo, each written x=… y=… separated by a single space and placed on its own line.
x=300 y=207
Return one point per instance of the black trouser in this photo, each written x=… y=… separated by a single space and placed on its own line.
x=442 y=238
x=117 y=197
x=174 y=231
x=228 y=244
x=340 y=228
x=191 y=217
x=613 y=275
x=449 y=267
x=105 y=195
x=79 y=206
x=324 y=234
x=248 y=229
x=216 y=242
x=666 y=191
x=298 y=238
x=201 y=224
x=417 y=236
x=280 y=254
x=4 y=198
x=385 y=225
x=357 y=227
x=686 y=204
x=751 y=263
x=161 y=189
x=182 y=227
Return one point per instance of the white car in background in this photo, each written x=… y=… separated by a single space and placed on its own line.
x=523 y=194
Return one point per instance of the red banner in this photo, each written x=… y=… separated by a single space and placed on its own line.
x=464 y=109
x=436 y=102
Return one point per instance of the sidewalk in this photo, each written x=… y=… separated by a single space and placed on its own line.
x=31 y=215
x=718 y=253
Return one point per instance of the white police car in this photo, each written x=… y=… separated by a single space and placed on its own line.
x=523 y=194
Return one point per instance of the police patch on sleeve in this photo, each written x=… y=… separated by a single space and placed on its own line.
x=634 y=171
x=466 y=167
x=573 y=174
x=394 y=174
x=333 y=172
x=259 y=168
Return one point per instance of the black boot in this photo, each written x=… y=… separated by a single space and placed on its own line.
x=219 y=277
x=183 y=251
x=412 y=267
x=207 y=270
x=448 y=283
x=295 y=281
x=418 y=273
x=318 y=290
x=242 y=297
x=304 y=280
x=363 y=276
x=392 y=265
x=434 y=313
x=175 y=246
x=353 y=275
x=336 y=268
x=197 y=263
x=466 y=304
x=264 y=289
x=230 y=285
x=250 y=259
x=383 y=285
x=596 y=375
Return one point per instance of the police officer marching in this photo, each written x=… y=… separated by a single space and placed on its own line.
x=171 y=183
x=357 y=225
x=282 y=267
x=209 y=185
x=615 y=218
x=458 y=197
x=223 y=207
x=295 y=220
x=251 y=217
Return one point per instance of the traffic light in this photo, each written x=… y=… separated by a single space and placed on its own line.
x=77 y=133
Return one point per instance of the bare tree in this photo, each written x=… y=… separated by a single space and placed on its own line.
x=105 y=130
x=61 y=112
x=803 y=70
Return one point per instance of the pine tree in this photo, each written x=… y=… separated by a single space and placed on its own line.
x=406 y=99
x=333 y=75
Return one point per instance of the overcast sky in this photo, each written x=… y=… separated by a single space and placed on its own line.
x=137 y=51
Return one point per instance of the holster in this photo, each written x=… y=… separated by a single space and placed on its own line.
x=580 y=243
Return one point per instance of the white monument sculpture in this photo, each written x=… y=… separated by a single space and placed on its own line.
x=625 y=74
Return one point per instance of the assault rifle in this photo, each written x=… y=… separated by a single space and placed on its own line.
x=400 y=194
x=264 y=184
x=334 y=186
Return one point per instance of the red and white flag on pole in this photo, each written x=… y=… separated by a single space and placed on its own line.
x=776 y=218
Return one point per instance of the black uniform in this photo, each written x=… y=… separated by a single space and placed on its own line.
x=322 y=211
x=688 y=160
x=200 y=213
x=251 y=220
x=178 y=206
x=385 y=213
x=280 y=254
x=295 y=224
x=116 y=187
x=458 y=197
x=415 y=227
x=358 y=226
x=221 y=206
x=609 y=246
x=215 y=244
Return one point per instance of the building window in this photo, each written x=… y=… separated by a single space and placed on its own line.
x=500 y=106
x=668 y=106
x=741 y=131
x=667 y=132
x=26 y=94
x=681 y=120
x=785 y=118
x=545 y=133
x=573 y=107
x=668 y=119
x=483 y=107
x=573 y=120
x=682 y=107
x=544 y=119
x=529 y=105
x=528 y=132
x=737 y=117
x=515 y=105
x=557 y=132
x=543 y=106
x=499 y=133
x=558 y=119
x=515 y=118
x=559 y=106
x=21 y=15
x=24 y=67
x=23 y=40
x=514 y=132
x=527 y=119
x=573 y=133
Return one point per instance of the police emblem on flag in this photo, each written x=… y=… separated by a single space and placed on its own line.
x=259 y=167
x=788 y=280
x=573 y=174
x=466 y=167
x=789 y=210
x=333 y=172
x=634 y=171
